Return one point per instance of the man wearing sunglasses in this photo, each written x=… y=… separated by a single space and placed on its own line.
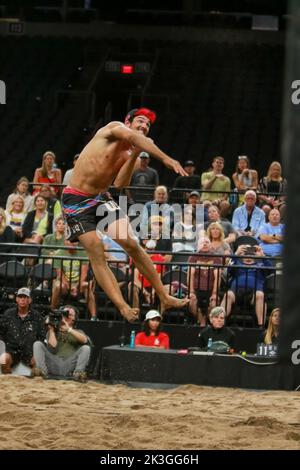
x=20 y=327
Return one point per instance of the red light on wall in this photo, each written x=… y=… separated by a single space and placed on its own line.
x=128 y=69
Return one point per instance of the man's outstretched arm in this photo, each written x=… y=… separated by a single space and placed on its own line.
x=144 y=143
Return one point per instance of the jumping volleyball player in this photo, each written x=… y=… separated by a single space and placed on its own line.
x=111 y=156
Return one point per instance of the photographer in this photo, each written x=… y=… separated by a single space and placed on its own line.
x=67 y=351
x=248 y=280
x=20 y=327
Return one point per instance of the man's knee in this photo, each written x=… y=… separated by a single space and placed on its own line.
x=259 y=295
x=38 y=346
x=6 y=363
x=85 y=349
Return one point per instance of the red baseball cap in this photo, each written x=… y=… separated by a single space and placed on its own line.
x=151 y=115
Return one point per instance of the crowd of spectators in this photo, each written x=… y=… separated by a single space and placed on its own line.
x=221 y=252
x=207 y=241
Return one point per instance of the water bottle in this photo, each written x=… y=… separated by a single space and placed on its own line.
x=209 y=343
x=132 y=339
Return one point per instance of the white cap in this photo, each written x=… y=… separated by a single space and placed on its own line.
x=152 y=314
x=24 y=291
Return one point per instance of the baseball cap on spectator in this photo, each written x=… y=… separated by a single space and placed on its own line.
x=194 y=193
x=23 y=291
x=189 y=163
x=152 y=314
x=144 y=155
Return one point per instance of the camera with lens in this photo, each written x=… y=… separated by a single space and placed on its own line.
x=55 y=317
x=250 y=250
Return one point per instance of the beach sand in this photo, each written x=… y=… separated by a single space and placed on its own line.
x=38 y=414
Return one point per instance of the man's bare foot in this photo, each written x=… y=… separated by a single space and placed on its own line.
x=172 y=302
x=131 y=314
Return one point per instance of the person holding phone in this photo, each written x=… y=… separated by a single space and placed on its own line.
x=247 y=280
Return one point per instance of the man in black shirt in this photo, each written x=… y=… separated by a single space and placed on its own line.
x=191 y=181
x=143 y=176
x=217 y=331
x=20 y=327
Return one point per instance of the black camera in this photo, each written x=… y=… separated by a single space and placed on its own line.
x=250 y=250
x=55 y=317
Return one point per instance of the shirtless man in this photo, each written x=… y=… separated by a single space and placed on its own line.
x=111 y=157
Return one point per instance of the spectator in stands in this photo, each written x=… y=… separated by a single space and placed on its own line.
x=47 y=173
x=194 y=199
x=215 y=234
x=38 y=222
x=20 y=327
x=276 y=186
x=214 y=216
x=185 y=235
x=159 y=206
x=152 y=336
x=248 y=281
x=248 y=218
x=191 y=181
x=68 y=173
x=204 y=280
x=244 y=178
x=143 y=176
x=72 y=274
x=214 y=180
x=53 y=204
x=56 y=239
x=21 y=189
x=271 y=234
x=271 y=335
x=156 y=231
x=141 y=285
x=67 y=352
x=217 y=330
x=16 y=216
x=7 y=235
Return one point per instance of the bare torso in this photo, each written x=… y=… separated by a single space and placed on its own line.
x=100 y=162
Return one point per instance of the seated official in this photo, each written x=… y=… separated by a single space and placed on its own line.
x=20 y=327
x=271 y=335
x=152 y=336
x=216 y=330
x=67 y=351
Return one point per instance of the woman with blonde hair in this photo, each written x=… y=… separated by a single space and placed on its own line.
x=7 y=235
x=271 y=335
x=15 y=216
x=21 y=189
x=47 y=173
x=215 y=233
x=275 y=186
x=38 y=222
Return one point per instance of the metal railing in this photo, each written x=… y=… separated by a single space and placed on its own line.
x=42 y=273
